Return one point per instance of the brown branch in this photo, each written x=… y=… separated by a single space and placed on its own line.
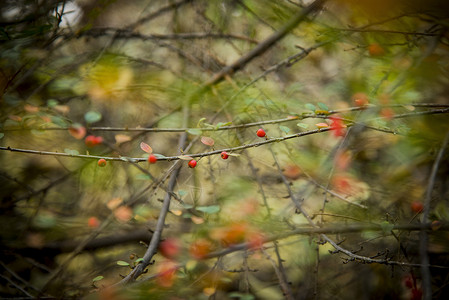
x=424 y=238
x=126 y=34
x=158 y=13
x=280 y=272
x=388 y=31
x=266 y=44
x=444 y=108
x=152 y=247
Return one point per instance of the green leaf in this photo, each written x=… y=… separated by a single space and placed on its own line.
x=52 y=102
x=92 y=116
x=158 y=156
x=37 y=132
x=98 y=278
x=143 y=177
x=241 y=296
x=221 y=124
x=310 y=106
x=59 y=121
x=45 y=221
x=1 y=135
x=200 y=121
x=139 y=260
x=284 y=129
x=386 y=227
x=122 y=263
x=303 y=125
x=212 y=209
x=194 y=131
x=71 y=151
x=323 y=106
x=182 y=193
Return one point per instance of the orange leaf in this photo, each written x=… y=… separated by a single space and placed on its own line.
x=322 y=125
x=123 y=214
x=77 y=132
x=31 y=108
x=63 y=109
x=145 y=147
x=15 y=118
x=197 y=220
x=114 y=203
x=207 y=141
x=121 y=138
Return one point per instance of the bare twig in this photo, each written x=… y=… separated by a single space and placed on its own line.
x=266 y=44
x=152 y=247
x=423 y=243
x=280 y=272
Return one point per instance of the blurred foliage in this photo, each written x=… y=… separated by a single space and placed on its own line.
x=71 y=69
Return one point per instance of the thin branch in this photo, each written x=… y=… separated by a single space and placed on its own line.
x=424 y=238
x=266 y=44
x=336 y=229
x=126 y=34
x=388 y=31
x=152 y=247
x=280 y=273
x=444 y=109
x=159 y=12
x=16 y=286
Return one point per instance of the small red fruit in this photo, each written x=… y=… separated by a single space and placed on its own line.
x=200 y=248
x=417 y=207
x=192 y=163
x=93 y=222
x=92 y=141
x=261 y=133
x=170 y=247
x=102 y=162
x=376 y=50
x=224 y=155
x=152 y=159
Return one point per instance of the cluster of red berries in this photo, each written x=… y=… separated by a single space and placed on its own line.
x=92 y=140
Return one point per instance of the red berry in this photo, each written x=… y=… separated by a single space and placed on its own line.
x=98 y=140
x=376 y=50
x=192 y=163
x=102 y=162
x=93 y=222
x=152 y=159
x=170 y=247
x=224 y=155
x=417 y=206
x=92 y=141
x=261 y=133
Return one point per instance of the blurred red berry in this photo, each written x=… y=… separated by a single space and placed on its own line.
x=376 y=50
x=224 y=155
x=152 y=159
x=92 y=141
x=102 y=162
x=170 y=247
x=416 y=206
x=93 y=222
x=337 y=126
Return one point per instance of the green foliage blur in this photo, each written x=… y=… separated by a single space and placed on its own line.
x=107 y=69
